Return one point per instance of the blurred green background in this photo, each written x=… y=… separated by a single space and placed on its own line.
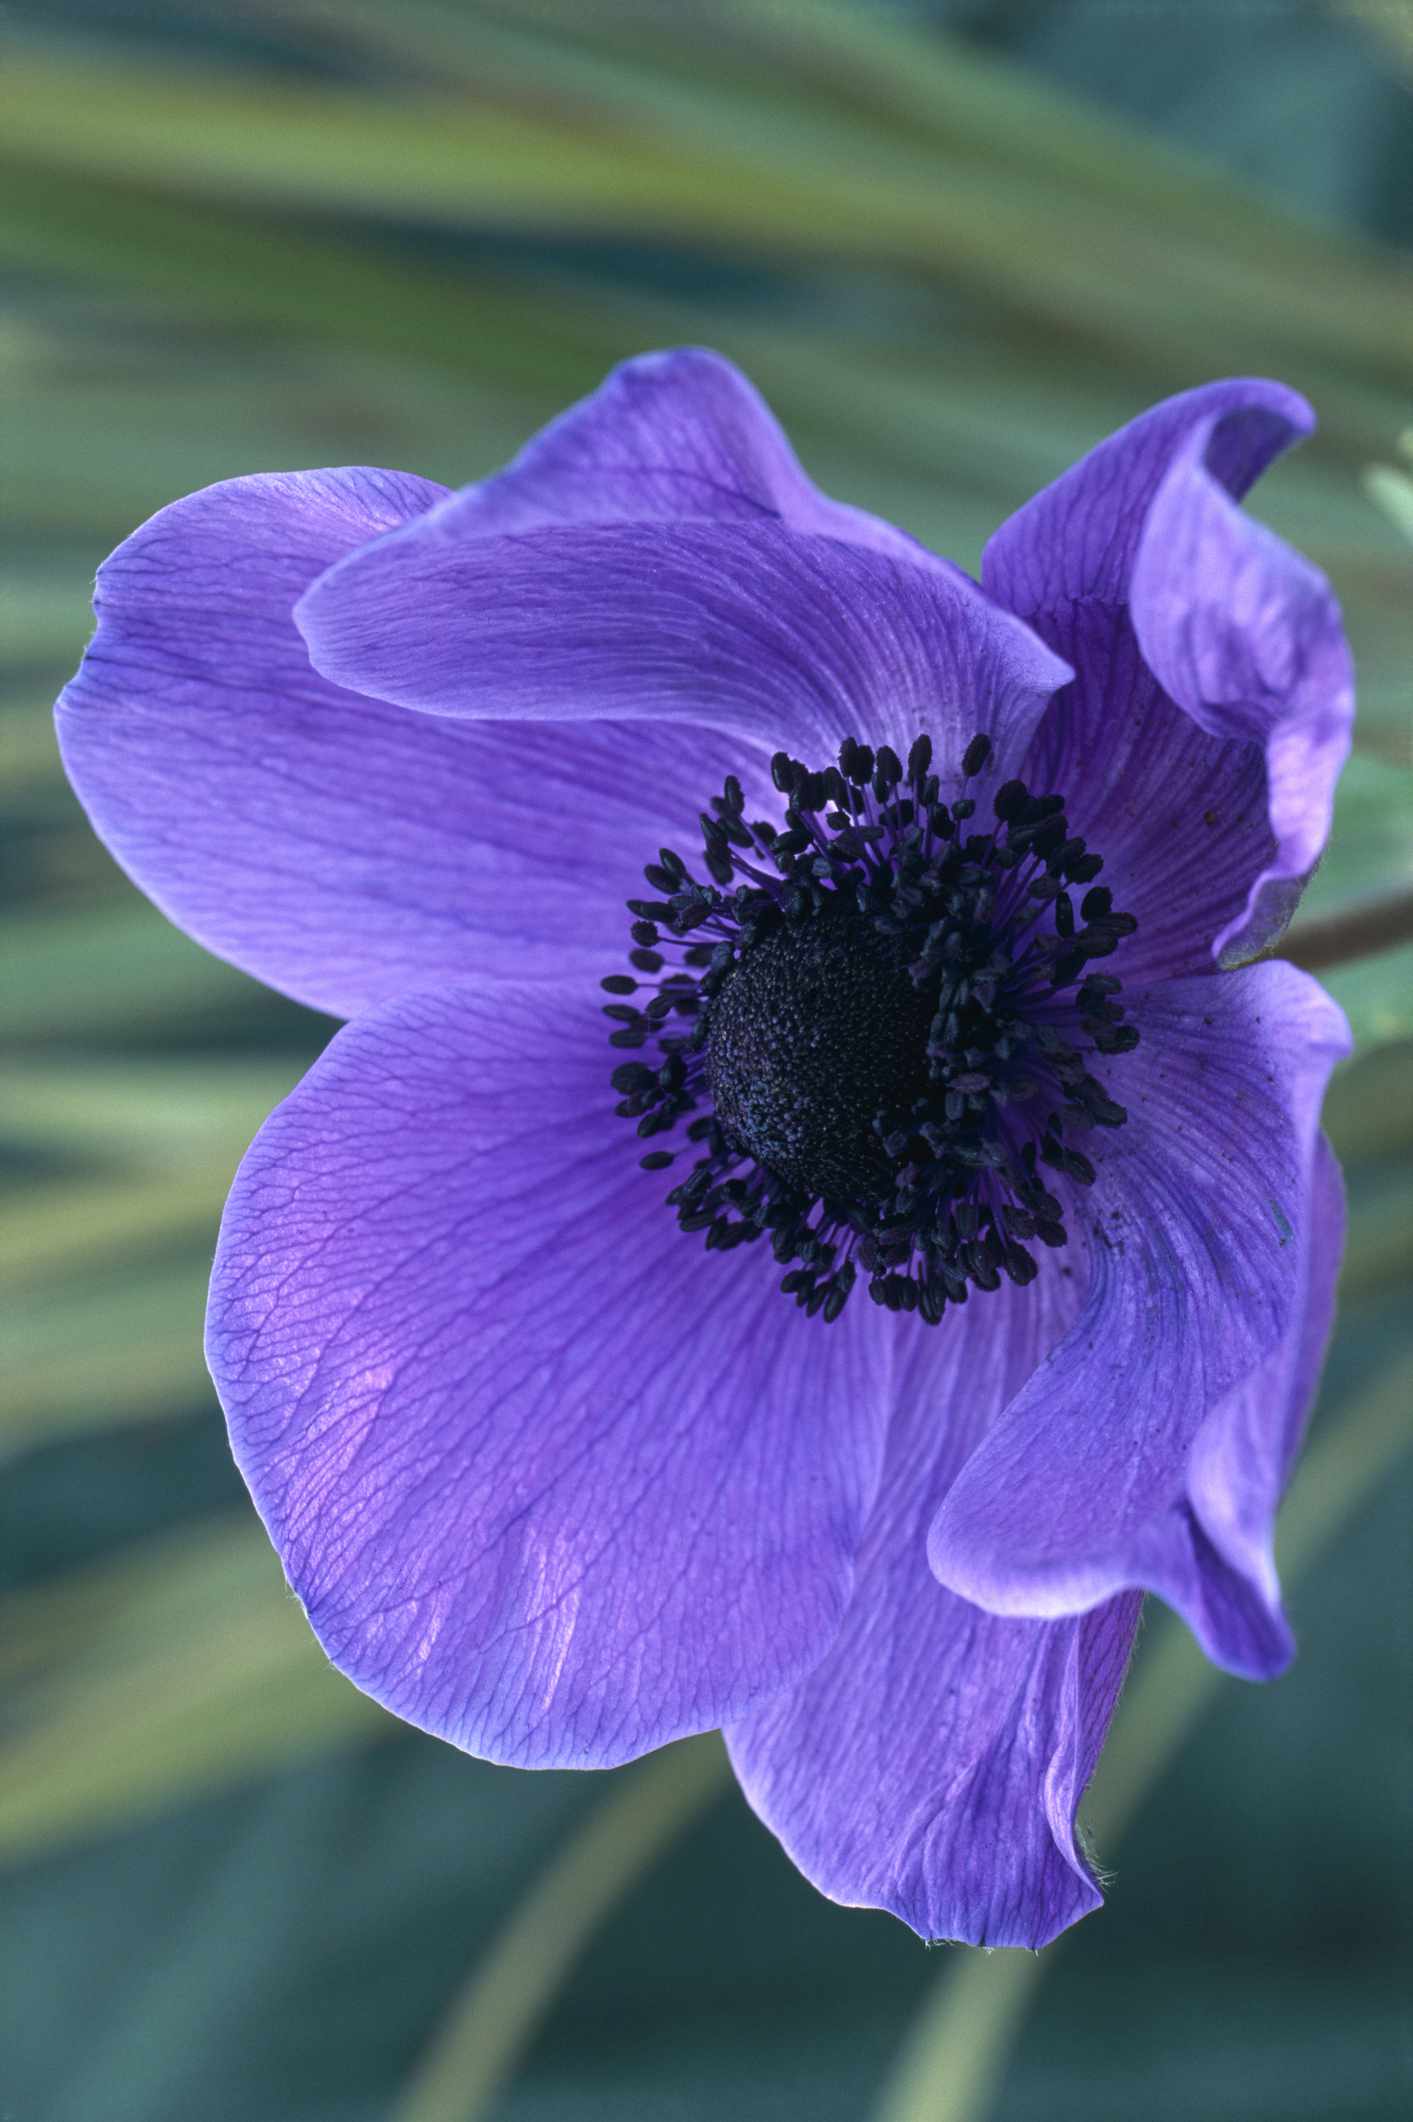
x=955 y=245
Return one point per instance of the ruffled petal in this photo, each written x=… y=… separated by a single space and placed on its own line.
x=793 y=640
x=932 y=1763
x=1079 y=536
x=1199 y=743
x=1178 y=816
x=336 y=847
x=1200 y=1223
x=1213 y=1556
x=672 y=437
x=1247 y=637
x=551 y=1481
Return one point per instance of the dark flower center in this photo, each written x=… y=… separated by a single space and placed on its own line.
x=877 y=1028
x=820 y=1028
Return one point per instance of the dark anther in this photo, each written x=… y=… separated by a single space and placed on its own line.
x=887 y=770
x=874 y=1025
x=976 y=754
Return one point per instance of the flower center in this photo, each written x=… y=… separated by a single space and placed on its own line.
x=819 y=1029
x=878 y=1027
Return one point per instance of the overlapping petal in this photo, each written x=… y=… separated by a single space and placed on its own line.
x=932 y=1763
x=1178 y=816
x=549 y=1483
x=337 y=847
x=1210 y=711
x=793 y=640
x=1199 y=1234
x=671 y=437
x=1212 y=1556
x=1079 y=537
x=1246 y=636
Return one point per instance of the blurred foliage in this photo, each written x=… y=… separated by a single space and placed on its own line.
x=332 y=231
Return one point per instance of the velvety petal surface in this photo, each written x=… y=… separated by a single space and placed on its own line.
x=667 y=437
x=1200 y=1228
x=550 y=1480
x=1199 y=743
x=933 y=1762
x=335 y=846
x=792 y=639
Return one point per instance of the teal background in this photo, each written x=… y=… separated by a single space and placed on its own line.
x=955 y=246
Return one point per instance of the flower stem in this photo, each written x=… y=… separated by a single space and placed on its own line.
x=518 y=1976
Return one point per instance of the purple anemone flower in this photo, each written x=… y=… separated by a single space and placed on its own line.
x=930 y=1015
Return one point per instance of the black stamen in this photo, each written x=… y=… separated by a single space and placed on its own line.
x=878 y=1023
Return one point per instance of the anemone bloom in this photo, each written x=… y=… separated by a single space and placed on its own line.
x=497 y=1319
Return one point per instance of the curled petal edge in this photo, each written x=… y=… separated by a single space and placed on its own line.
x=1204 y=1545
x=1246 y=636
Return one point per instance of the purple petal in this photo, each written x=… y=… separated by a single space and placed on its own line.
x=1213 y=1558
x=1079 y=536
x=1178 y=816
x=1246 y=636
x=671 y=437
x=792 y=640
x=1201 y=1221
x=336 y=847
x=551 y=1480
x=1207 y=798
x=932 y=1763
